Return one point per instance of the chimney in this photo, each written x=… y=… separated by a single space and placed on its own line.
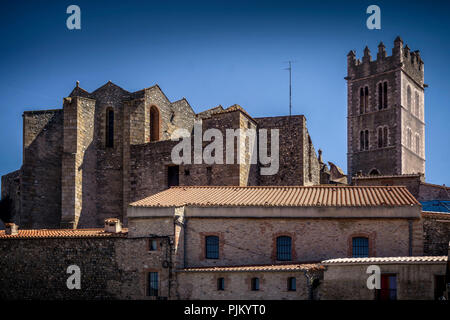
x=113 y=225
x=11 y=229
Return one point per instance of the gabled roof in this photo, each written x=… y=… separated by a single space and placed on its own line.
x=288 y=196
x=62 y=233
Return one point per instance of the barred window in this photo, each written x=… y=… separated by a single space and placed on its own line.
x=255 y=284
x=360 y=247
x=152 y=287
x=212 y=247
x=284 y=248
x=292 y=284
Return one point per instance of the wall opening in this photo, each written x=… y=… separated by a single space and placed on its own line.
x=173 y=176
x=109 y=128
x=154 y=124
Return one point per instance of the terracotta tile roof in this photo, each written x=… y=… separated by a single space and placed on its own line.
x=62 y=233
x=290 y=196
x=386 y=260
x=433 y=214
x=268 y=268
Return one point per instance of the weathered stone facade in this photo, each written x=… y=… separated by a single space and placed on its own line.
x=386 y=126
x=86 y=162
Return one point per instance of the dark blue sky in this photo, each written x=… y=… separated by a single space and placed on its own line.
x=218 y=52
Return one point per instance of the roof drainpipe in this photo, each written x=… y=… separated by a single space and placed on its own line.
x=410 y=242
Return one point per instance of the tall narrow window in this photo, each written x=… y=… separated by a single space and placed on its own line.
x=361 y=141
x=361 y=101
x=220 y=284
x=380 y=137
x=366 y=99
x=380 y=96
x=154 y=124
x=255 y=284
x=366 y=140
x=360 y=247
x=409 y=138
x=385 y=97
x=212 y=247
x=109 y=128
x=385 y=137
x=284 y=248
x=292 y=284
x=408 y=98
x=417 y=105
x=209 y=175
x=152 y=284
x=417 y=144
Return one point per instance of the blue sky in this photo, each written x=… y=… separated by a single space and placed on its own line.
x=219 y=52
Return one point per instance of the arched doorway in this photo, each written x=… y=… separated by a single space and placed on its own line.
x=374 y=172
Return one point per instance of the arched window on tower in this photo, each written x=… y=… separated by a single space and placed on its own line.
x=380 y=96
x=409 y=138
x=417 y=104
x=366 y=99
x=366 y=140
x=109 y=142
x=408 y=98
x=385 y=137
x=154 y=124
x=361 y=101
x=380 y=137
x=417 y=144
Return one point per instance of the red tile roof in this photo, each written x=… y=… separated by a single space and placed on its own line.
x=279 y=267
x=290 y=196
x=62 y=233
x=387 y=260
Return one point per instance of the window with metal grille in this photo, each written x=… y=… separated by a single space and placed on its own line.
x=284 y=248
x=212 y=247
x=360 y=247
x=292 y=284
x=221 y=284
x=255 y=284
x=152 y=287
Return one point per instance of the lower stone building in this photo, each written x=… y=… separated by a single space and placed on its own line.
x=230 y=243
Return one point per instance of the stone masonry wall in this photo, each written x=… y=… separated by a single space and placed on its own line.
x=41 y=169
x=320 y=238
x=436 y=233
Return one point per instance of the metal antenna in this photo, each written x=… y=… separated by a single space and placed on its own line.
x=290 y=86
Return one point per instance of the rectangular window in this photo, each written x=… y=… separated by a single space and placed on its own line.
x=152 y=284
x=221 y=284
x=292 y=284
x=110 y=129
x=173 y=178
x=208 y=176
x=212 y=247
x=255 y=284
x=284 y=248
x=152 y=245
x=388 y=289
x=360 y=247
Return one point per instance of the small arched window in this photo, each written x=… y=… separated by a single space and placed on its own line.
x=360 y=247
x=366 y=99
x=109 y=128
x=385 y=97
x=154 y=124
x=374 y=172
x=284 y=248
x=385 y=137
x=380 y=96
x=366 y=140
x=408 y=98
x=380 y=137
x=361 y=101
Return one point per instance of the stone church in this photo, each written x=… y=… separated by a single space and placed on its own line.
x=104 y=149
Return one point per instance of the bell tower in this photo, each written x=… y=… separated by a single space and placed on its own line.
x=385 y=112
